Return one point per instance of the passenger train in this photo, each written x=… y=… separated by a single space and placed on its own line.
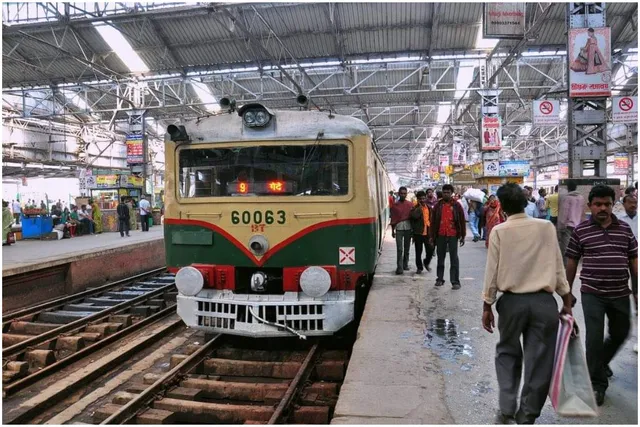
x=274 y=220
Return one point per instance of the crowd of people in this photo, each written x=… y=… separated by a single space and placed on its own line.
x=605 y=244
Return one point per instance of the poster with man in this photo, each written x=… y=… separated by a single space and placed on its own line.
x=590 y=62
x=491 y=133
x=459 y=152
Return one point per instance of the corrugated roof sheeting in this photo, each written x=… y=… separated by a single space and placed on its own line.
x=363 y=15
x=460 y=12
x=456 y=37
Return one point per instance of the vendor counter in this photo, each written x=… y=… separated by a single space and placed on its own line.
x=110 y=219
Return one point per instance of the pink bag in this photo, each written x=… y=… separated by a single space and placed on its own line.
x=571 y=393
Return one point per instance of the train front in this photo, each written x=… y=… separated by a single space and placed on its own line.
x=262 y=226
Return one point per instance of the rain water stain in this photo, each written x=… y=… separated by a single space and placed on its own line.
x=443 y=338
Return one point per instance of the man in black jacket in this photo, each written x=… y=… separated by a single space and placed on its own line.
x=123 y=217
x=448 y=227
x=420 y=222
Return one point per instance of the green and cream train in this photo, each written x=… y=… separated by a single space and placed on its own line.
x=274 y=220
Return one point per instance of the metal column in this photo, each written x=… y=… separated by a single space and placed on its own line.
x=489 y=107
x=136 y=124
x=587 y=124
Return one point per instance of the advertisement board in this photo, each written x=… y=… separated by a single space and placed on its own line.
x=621 y=164
x=514 y=168
x=130 y=181
x=443 y=161
x=546 y=112
x=491 y=168
x=491 y=133
x=459 y=152
x=590 y=62
x=135 y=149
x=624 y=109
x=104 y=181
x=504 y=20
x=477 y=170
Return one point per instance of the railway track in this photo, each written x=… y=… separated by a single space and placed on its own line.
x=41 y=340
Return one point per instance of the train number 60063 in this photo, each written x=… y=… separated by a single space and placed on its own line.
x=258 y=217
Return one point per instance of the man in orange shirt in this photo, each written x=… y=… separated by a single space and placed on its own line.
x=420 y=223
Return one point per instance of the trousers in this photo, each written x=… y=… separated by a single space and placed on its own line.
x=473 y=223
x=422 y=242
x=123 y=226
x=564 y=235
x=442 y=243
x=144 y=221
x=535 y=317
x=403 y=246
x=600 y=351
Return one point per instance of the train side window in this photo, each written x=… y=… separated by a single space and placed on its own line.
x=377 y=175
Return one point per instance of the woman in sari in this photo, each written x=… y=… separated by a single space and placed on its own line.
x=494 y=216
x=96 y=214
x=590 y=59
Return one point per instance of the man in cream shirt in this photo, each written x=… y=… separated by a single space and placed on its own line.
x=527 y=307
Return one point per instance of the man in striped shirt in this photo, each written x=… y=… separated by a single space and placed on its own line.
x=608 y=250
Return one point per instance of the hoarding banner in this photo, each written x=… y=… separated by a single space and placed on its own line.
x=130 y=181
x=563 y=170
x=504 y=20
x=135 y=149
x=491 y=133
x=459 y=152
x=624 y=109
x=590 y=66
x=491 y=168
x=103 y=181
x=514 y=168
x=477 y=169
x=621 y=164
x=546 y=112
x=443 y=160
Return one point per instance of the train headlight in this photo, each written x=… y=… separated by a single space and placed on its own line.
x=262 y=118
x=315 y=281
x=258 y=245
x=189 y=281
x=249 y=118
x=255 y=115
x=258 y=281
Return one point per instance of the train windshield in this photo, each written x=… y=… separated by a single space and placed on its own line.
x=266 y=170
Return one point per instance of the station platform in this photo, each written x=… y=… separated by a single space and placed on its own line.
x=422 y=356
x=37 y=270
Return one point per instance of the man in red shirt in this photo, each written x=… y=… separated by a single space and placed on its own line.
x=448 y=227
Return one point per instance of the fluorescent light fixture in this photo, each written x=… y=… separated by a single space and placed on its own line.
x=121 y=47
x=482 y=43
x=203 y=92
x=545 y=53
x=12 y=165
x=444 y=111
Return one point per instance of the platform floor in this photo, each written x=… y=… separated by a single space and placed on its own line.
x=26 y=253
x=422 y=356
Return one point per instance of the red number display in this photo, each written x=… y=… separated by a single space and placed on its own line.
x=243 y=187
x=276 y=186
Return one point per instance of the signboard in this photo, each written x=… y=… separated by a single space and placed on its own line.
x=135 y=149
x=105 y=181
x=624 y=109
x=546 y=112
x=90 y=181
x=129 y=181
x=443 y=160
x=459 y=152
x=477 y=170
x=491 y=133
x=621 y=164
x=491 y=168
x=514 y=168
x=590 y=62
x=504 y=20
x=563 y=170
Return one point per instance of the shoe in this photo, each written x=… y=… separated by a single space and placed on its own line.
x=406 y=268
x=426 y=265
x=128 y=235
x=455 y=286
x=399 y=272
x=475 y=239
x=419 y=271
x=439 y=282
x=504 y=419
x=521 y=418
x=608 y=371
x=599 y=397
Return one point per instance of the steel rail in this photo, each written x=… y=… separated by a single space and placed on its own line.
x=42 y=338
x=128 y=412
x=61 y=394
x=295 y=386
x=52 y=303
x=20 y=384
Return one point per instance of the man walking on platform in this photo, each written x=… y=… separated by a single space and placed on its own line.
x=448 y=228
x=123 y=217
x=571 y=214
x=526 y=308
x=552 y=206
x=401 y=229
x=630 y=216
x=608 y=249
x=420 y=222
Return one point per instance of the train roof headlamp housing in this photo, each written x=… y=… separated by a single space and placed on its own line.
x=255 y=115
x=178 y=133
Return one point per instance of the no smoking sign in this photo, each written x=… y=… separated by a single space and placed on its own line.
x=624 y=109
x=626 y=104
x=546 y=107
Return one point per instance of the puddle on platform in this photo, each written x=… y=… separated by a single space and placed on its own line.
x=443 y=338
